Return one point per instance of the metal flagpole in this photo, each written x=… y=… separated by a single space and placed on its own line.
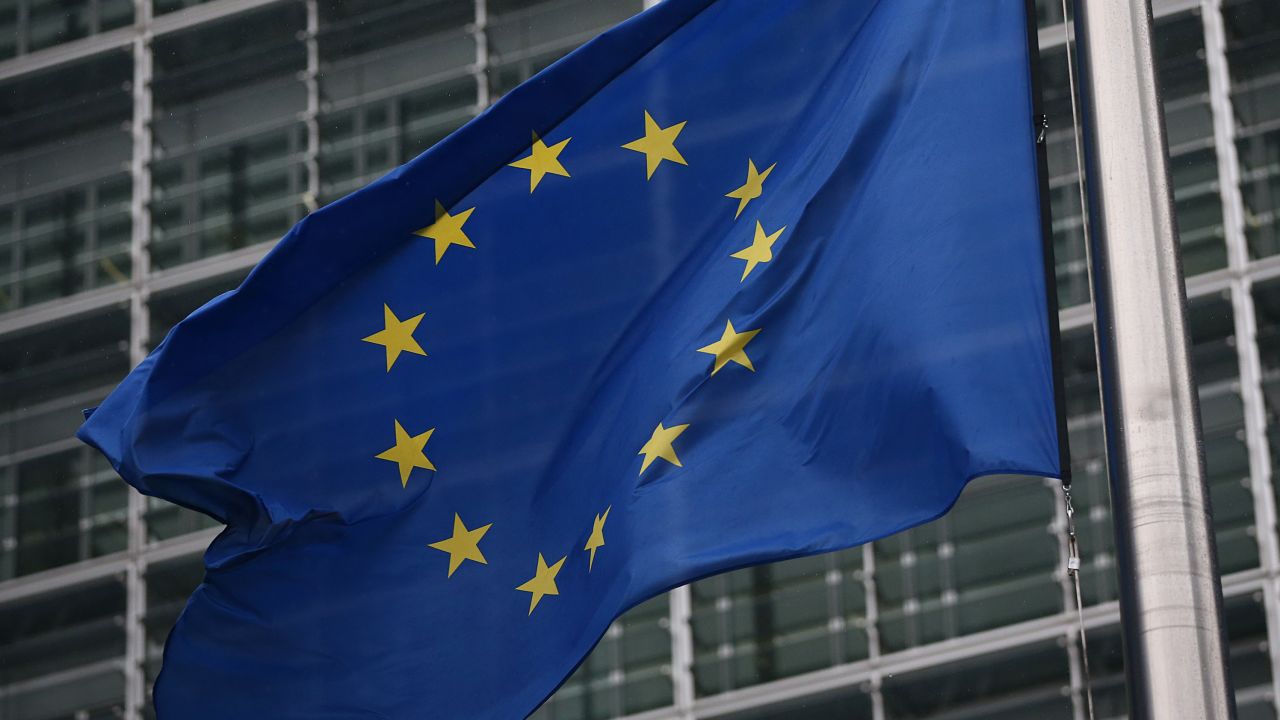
x=1171 y=598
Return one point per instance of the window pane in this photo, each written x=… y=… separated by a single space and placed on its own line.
x=64 y=185
x=229 y=145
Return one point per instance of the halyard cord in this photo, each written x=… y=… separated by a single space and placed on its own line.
x=1073 y=569
x=1073 y=550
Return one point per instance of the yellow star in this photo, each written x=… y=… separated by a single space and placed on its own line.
x=752 y=188
x=397 y=335
x=730 y=346
x=596 y=541
x=464 y=544
x=659 y=446
x=542 y=160
x=447 y=230
x=759 y=251
x=543 y=582
x=407 y=453
x=658 y=144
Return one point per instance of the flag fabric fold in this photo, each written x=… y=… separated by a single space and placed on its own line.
x=734 y=282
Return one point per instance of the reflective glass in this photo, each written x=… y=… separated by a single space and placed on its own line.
x=1253 y=56
x=229 y=146
x=64 y=183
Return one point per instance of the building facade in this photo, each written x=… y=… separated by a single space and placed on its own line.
x=151 y=151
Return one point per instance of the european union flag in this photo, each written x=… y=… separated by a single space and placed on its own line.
x=735 y=282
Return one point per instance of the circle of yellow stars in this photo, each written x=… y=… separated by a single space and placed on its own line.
x=397 y=337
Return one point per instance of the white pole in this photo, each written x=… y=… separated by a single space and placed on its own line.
x=1171 y=598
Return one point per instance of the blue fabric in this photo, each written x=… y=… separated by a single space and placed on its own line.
x=902 y=349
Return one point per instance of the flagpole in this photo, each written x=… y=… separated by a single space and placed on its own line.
x=1171 y=597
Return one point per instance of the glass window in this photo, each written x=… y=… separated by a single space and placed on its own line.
x=1027 y=682
x=64 y=182
x=31 y=25
x=1188 y=123
x=1266 y=297
x=774 y=621
x=229 y=145
x=59 y=653
x=60 y=502
x=525 y=36
x=395 y=78
x=1253 y=56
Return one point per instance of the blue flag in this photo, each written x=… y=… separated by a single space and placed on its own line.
x=735 y=282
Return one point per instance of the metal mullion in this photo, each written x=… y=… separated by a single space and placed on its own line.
x=135 y=698
x=311 y=200
x=1245 y=328
x=680 y=614
x=872 y=629
x=480 y=31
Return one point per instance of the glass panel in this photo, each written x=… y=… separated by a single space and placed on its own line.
x=1266 y=297
x=64 y=186
x=8 y=29
x=229 y=145
x=1188 y=122
x=54 y=22
x=396 y=78
x=62 y=501
x=1249 y=661
x=525 y=36
x=1029 y=682
x=774 y=621
x=1253 y=56
x=1222 y=417
x=59 y=653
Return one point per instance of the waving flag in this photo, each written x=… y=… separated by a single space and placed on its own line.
x=735 y=282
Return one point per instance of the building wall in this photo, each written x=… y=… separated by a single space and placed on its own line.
x=151 y=151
